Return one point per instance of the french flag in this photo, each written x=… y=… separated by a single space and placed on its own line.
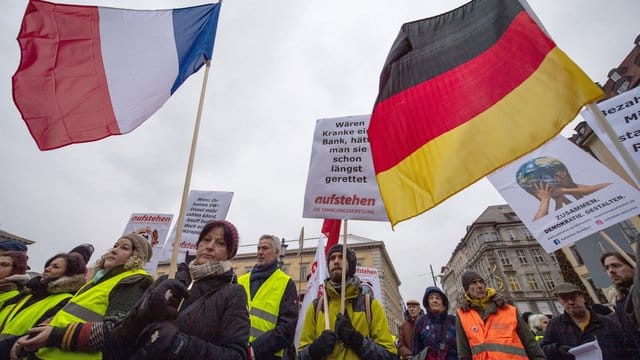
x=89 y=72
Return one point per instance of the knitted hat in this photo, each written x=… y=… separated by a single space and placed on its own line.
x=12 y=245
x=140 y=244
x=85 y=250
x=352 y=260
x=468 y=276
x=231 y=237
x=19 y=262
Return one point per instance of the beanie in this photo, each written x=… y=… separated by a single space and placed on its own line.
x=352 y=260
x=231 y=237
x=19 y=259
x=468 y=276
x=141 y=244
x=85 y=250
x=12 y=245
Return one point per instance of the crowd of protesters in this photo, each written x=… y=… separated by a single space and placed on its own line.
x=115 y=310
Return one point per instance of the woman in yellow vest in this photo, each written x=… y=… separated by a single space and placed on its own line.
x=212 y=322
x=13 y=268
x=42 y=298
x=78 y=330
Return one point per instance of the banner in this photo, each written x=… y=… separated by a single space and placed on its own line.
x=623 y=114
x=154 y=228
x=562 y=194
x=315 y=286
x=202 y=207
x=341 y=183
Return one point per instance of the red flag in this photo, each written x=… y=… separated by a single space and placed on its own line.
x=331 y=229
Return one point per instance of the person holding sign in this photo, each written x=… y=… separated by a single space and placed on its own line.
x=362 y=332
x=201 y=314
x=79 y=329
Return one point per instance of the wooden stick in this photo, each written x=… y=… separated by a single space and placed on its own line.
x=325 y=302
x=300 y=244
x=618 y=249
x=344 y=268
x=173 y=266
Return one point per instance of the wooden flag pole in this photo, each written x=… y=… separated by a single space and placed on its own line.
x=344 y=266
x=173 y=266
x=618 y=249
x=300 y=243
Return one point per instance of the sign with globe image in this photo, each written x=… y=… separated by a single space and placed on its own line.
x=540 y=170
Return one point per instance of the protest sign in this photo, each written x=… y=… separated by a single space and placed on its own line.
x=154 y=228
x=369 y=279
x=341 y=183
x=202 y=207
x=562 y=194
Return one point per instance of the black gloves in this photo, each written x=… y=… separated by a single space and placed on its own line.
x=162 y=302
x=161 y=340
x=349 y=336
x=323 y=345
x=564 y=349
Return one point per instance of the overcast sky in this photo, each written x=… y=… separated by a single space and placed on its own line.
x=277 y=67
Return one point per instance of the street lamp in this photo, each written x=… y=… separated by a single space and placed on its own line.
x=283 y=252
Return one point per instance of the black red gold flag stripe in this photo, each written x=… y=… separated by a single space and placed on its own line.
x=464 y=93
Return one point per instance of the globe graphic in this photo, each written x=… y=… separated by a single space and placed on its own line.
x=539 y=170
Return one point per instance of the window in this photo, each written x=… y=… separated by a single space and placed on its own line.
x=522 y=256
x=527 y=233
x=304 y=270
x=537 y=256
x=514 y=284
x=553 y=257
x=502 y=255
x=512 y=235
x=533 y=283
x=548 y=280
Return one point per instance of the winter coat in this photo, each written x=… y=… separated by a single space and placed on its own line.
x=626 y=322
x=405 y=336
x=497 y=302
x=281 y=337
x=214 y=317
x=562 y=330
x=434 y=329
x=378 y=342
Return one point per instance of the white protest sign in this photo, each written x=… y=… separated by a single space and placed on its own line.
x=341 y=183
x=202 y=207
x=623 y=115
x=315 y=286
x=562 y=194
x=369 y=278
x=154 y=228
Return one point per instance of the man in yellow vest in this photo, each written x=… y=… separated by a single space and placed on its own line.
x=487 y=327
x=273 y=304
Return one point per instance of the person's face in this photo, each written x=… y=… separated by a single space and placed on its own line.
x=477 y=289
x=573 y=304
x=119 y=254
x=212 y=247
x=436 y=302
x=413 y=309
x=619 y=272
x=6 y=266
x=335 y=266
x=57 y=267
x=543 y=323
x=266 y=253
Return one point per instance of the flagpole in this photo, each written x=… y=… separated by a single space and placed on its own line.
x=635 y=171
x=173 y=266
x=300 y=243
x=344 y=266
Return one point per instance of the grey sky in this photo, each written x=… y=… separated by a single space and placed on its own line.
x=277 y=67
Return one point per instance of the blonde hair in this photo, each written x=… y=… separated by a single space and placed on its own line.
x=135 y=261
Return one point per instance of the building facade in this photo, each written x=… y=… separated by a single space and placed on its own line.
x=500 y=248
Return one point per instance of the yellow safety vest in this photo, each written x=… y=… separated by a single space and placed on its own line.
x=265 y=306
x=87 y=306
x=20 y=319
x=7 y=295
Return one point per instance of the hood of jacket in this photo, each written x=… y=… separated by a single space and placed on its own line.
x=425 y=298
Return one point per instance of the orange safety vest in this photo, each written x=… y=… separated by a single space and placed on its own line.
x=495 y=338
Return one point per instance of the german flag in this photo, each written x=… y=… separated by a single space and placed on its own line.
x=464 y=93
